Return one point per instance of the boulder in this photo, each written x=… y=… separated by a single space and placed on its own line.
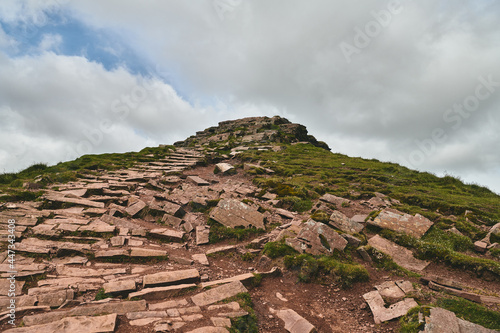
x=317 y=238
x=342 y=222
x=225 y=169
x=202 y=235
x=415 y=226
x=198 y=181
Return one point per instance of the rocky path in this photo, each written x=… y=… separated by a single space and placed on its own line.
x=129 y=251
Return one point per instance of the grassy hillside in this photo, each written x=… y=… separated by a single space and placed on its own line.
x=307 y=172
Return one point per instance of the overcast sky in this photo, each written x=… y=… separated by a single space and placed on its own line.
x=412 y=82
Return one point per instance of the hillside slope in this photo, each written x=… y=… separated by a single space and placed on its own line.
x=253 y=225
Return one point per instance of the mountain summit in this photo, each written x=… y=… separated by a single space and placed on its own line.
x=250 y=226
x=261 y=130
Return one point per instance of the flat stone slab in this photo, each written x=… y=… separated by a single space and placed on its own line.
x=168 y=234
x=86 y=310
x=295 y=323
x=415 y=226
x=55 y=298
x=202 y=235
x=198 y=181
x=119 y=286
x=160 y=293
x=441 y=320
x=5 y=287
x=401 y=256
x=141 y=252
x=35 y=245
x=389 y=289
x=80 y=324
x=342 y=222
x=219 y=293
x=317 y=238
x=330 y=198
x=77 y=201
x=243 y=278
x=85 y=272
x=201 y=259
x=381 y=313
x=168 y=305
x=224 y=168
x=135 y=208
x=233 y=213
x=171 y=277
x=209 y=329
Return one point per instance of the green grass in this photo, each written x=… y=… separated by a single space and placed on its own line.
x=219 y=233
x=442 y=248
x=101 y=295
x=278 y=249
x=245 y=324
x=462 y=308
x=311 y=171
x=70 y=171
x=326 y=268
x=470 y=311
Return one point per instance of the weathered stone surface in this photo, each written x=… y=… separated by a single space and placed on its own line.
x=221 y=322
x=359 y=218
x=5 y=286
x=219 y=293
x=232 y=306
x=415 y=226
x=405 y=286
x=141 y=252
x=81 y=324
x=117 y=241
x=390 y=290
x=55 y=298
x=381 y=313
x=135 y=208
x=171 y=220
x=354 y=241
x=78 y=201
x=198 y=181
x=327 y=197
x=35 y=245
x=209 y=329
x=225 y=169
x=480 y=246
x=111 y=253
x=85 y=272
x=86 y=310
x=171 y=277
x=234 y=213
x=123 y=286
x=402 y=256
x=317 y=238
x=144 y=321
x=342 y=222
x=226 y=248
x=98 y=226
x=168 y=304
x=441 y=320
x=243 y=278
x=168 y=234
x=146 y=314
x=201 y=259
x=294 y=323
x=202 y=235
x=284 y=213
x=158 y=293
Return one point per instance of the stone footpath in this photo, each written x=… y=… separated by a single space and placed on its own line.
x=129 y=250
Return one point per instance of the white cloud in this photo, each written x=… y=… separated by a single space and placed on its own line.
x=262 y=56
x=50 y=42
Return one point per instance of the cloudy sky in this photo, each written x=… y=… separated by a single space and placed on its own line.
x=412 y=82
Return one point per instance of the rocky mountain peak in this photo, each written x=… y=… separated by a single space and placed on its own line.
x=252 y=130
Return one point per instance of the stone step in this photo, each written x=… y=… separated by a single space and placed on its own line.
x=80 y=324
x=219 y=293
x=160 y=293
x=171 y=278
